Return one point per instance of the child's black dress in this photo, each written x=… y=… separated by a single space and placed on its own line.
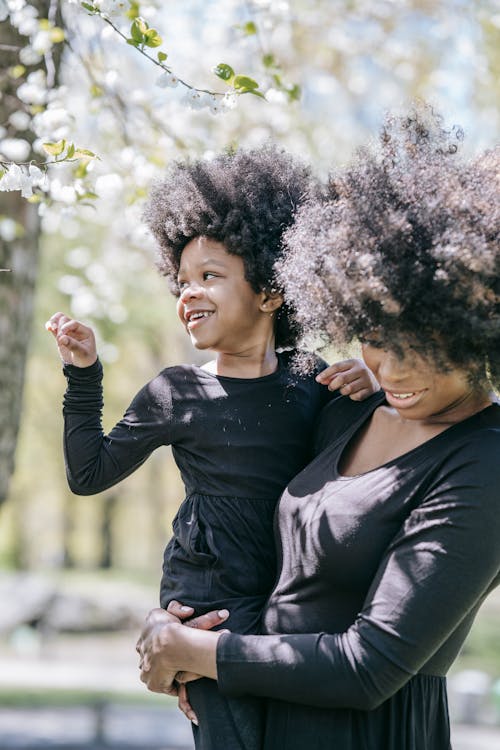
x=237 y=443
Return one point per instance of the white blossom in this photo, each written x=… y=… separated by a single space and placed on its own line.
x=112 y=8
x=4 y=10
x=63 y=193
x=274 y=96
x=230 y=100
x=34 y=90
x=8 y=229
x=42 y=41
x=167 y=80
x=20 y=120
x=17 y=178
x=28 y=56
x=25 y=20
x=15 y=149
x=109 y=185
x=54 y=122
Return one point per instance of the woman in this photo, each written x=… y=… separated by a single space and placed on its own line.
x=390 y=539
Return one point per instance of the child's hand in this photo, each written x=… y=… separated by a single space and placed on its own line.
x=76 y=342
x=351 y=377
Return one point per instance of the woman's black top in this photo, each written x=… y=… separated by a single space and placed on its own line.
x=237 y=443
x=381 y=577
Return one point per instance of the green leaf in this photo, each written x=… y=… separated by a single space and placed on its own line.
x=133 y=11
x=134 y=43
x=89 y=7
x=269 y=61
x=2 y=172
x=294 y=92
x=244 y=82
x=83 y=153
x=138 y=29
x=81 y=170
x=252 y=91
x=71 y=151
x=249 y=28
x=54 y=149
x=96 y=91
x=87 y=196
x=224 y=71
x=162 y=56
x=152 y=38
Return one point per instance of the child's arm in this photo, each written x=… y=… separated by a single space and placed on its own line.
x=351 y=377
x=95 y=461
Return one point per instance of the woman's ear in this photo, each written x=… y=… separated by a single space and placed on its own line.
x=271 y=300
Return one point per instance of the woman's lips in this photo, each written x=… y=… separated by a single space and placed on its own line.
x=402 y=399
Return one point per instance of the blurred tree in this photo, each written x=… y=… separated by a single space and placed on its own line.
x=328 y=72
x=19 y=245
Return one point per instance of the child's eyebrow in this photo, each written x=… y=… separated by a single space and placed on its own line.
x=213 y=262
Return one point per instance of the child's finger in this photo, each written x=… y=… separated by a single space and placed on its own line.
x=55 y=321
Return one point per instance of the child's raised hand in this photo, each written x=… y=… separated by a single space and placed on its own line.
x=351 y=377
x=76 y=342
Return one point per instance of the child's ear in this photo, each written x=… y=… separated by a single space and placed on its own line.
x=271 y=300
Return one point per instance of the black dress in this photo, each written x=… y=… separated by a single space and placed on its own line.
x=381 y=577
x=237 y=443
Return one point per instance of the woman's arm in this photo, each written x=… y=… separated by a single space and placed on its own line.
x=434 y=574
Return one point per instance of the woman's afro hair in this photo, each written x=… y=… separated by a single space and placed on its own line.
x=245 y=200
x=406 y=246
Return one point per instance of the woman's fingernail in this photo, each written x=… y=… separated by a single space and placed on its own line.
x=195 y=721
x=223 y=613
x=186 y=609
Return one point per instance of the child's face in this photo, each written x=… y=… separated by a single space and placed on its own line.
x=217 y=305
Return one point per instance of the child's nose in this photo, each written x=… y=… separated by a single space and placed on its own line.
x=191 y=291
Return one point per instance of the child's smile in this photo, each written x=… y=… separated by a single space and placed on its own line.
x=217 y=305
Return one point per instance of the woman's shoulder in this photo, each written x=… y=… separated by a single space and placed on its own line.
x=341 y=414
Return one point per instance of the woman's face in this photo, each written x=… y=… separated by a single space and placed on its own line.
x=417 y=388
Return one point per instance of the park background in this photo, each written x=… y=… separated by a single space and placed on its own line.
x=78 y=573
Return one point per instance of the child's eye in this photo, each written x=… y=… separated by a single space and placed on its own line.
x=209 y=275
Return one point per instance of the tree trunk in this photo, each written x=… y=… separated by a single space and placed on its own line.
x=16 y=312
x=20 y=258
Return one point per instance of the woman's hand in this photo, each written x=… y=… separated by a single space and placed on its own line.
x=76 y=342
x=351 y=377
x=166 y=649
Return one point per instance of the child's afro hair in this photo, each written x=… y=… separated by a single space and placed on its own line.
x=407 y=247
x=245 y=200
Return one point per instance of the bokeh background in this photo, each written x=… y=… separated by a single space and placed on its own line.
x=78 y=574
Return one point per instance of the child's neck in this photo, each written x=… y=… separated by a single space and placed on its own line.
x=245 y=364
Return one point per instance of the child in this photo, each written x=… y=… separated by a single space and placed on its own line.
x=239 y=426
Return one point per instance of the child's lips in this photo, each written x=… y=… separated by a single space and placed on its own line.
x=195 y=318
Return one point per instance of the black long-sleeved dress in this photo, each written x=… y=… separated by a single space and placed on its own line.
x=237 y=442
x=381 y=577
